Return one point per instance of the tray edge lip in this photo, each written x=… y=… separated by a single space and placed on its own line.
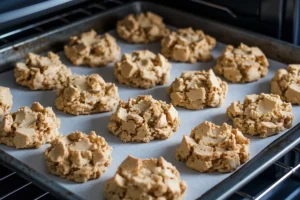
x=3 y=154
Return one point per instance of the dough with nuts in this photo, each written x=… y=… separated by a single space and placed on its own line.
x=78 y=157
x=242 y=64
x=42 y=72
x=86 y=95
x=151 y=178
x=29 y=127
x=188 y=45
x=286 y=83
x=6 y=101
x=263 y=115
x=142 y=69
x=212 y=148
x=198 y=89
x=143 y=28
x=92 y=49
x=143 y=119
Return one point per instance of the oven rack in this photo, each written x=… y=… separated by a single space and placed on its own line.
x=92 y=8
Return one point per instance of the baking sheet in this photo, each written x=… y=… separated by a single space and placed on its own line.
x=198 y=183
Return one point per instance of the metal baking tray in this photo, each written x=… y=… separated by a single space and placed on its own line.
x=30 y=163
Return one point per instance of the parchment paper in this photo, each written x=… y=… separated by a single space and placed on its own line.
x=198 y=183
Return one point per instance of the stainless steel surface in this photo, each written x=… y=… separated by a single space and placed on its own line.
x=274 y=49
x=223 y=8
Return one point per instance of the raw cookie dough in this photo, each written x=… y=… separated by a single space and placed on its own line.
x=87 y=94
x=29 y=127
x=198 y=89
x=242 y=64
x=212 y=148
x=42 y=73
x=188 y=45
x=78 y=157
x=6 y=101
x=151 y=178
x=286 y=83
x=144 y=119
x=263 y=115
x=143 y=28
x=92 y=49
x=142 y=69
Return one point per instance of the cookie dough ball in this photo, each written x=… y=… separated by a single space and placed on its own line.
x=42 y=73
x=286 y=83
x=6 y=101
x=212 y=148
x=78 y=157
x=85 y=95
x=142 y=69
x=263 y=115
x=198 y=89
x=144 y=119
x=143 y=28
x=145 y=179
x=242 y=64
x=29 y=127
x=92 y=49
x=188 y=45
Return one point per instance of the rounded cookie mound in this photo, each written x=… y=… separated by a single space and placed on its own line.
x=142 y=69
x=263 y=115
x=188 y=45
x=144 y=119
x=212 y=148
x=87 y=94
x=42 y=73
x=78 y=157
x=92 y=49
x=145 y=179
x=242 y=64
x=143 y=28
x=29 y=127
x=6 y=101
x=286 y=83
x=198 y=89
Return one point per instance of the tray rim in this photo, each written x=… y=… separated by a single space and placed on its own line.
x=286 y=141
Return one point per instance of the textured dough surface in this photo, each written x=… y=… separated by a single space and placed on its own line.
x=286 y=83
x=198 y=89
x=29 y=127
x=212 y=148
x=143 y=28
x=242 y=64
x=263 y=115
x=6 y=101
x=142 y=69
x=92 y=49
x=151 y=178
x=78 y=157
x=188 y=45
x=42 y=72
x=143 y=119
x=86 y=95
